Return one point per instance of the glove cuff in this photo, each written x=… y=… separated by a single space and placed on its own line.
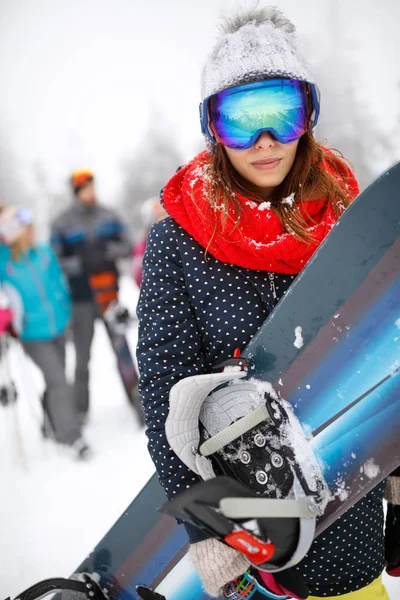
x=392 y=491
x=217 y=564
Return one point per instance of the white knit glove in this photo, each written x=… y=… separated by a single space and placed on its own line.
x=217 y=564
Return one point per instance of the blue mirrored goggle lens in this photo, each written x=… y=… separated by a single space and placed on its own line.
x=282 y=107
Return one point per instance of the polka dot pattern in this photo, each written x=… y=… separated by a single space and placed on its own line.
x=193 y=312
x=350 y=554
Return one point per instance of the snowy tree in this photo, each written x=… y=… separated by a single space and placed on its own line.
x=347 y=125
x=48 y=203
x=12 y=187
x=154 y=162
x=346 y=122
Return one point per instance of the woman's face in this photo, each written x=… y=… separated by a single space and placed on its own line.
x=265 y=164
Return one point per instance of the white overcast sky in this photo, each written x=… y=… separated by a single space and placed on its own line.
x=80 y=79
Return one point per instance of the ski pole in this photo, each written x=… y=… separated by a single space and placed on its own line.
x=11 y=397
x=32 y=384
x=21 y=454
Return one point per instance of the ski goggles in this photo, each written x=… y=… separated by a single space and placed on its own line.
x=24 y=216
x=236 y=117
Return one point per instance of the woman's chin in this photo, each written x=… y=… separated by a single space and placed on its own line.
x=265 y=180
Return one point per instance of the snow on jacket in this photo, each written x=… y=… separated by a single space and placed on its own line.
x=193 y=312
x=37 y=291
x=88 y=240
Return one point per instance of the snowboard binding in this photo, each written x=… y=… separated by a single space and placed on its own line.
x=85 y=587
x=118 y=317
x=242 y=439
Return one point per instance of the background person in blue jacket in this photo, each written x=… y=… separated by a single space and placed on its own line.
x=39 y=298
x=245 y=218
x=88 y=239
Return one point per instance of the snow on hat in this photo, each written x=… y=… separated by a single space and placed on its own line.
x=256 y=44
x=14 y=222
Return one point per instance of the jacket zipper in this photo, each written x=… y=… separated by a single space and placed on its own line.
x=42 y=292
x=271 y=277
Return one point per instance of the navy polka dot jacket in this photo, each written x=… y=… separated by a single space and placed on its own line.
x=193 y=312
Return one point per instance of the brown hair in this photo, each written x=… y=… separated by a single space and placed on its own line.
x=19 y=246
x=306 y=179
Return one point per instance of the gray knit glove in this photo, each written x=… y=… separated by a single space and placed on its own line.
x=392 y=491
x=217 y=564
x=392 y=529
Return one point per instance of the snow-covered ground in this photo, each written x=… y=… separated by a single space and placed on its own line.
x=53 y=509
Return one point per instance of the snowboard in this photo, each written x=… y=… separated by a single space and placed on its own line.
x=310 y=424
x=116 y=320
x=147 y=548
x=331 y=350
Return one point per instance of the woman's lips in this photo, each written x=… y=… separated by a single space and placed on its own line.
x=266 y=164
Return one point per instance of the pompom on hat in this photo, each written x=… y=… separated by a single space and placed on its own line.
x=14 y=222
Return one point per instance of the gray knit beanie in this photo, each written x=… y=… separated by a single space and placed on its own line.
x=256 y=44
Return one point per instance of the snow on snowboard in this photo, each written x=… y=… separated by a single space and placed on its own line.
x=297 y=416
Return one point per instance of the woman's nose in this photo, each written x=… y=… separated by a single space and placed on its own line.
x=265 y=140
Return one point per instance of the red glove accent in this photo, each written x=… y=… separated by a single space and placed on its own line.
x=6 y=317
x=393 y=572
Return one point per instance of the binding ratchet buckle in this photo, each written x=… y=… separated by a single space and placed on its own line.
x=219 y=526
x=256 y=551
x=235 y=361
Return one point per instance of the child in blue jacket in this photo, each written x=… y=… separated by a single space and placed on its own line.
x=39 y=297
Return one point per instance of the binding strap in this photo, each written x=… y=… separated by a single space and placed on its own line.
x=86 y=586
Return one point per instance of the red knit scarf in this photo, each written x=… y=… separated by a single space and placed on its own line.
x=260 y=241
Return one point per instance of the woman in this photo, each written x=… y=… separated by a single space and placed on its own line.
x=245 y=217
x=39 y=298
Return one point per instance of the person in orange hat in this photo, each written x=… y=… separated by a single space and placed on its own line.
x=88 y=239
